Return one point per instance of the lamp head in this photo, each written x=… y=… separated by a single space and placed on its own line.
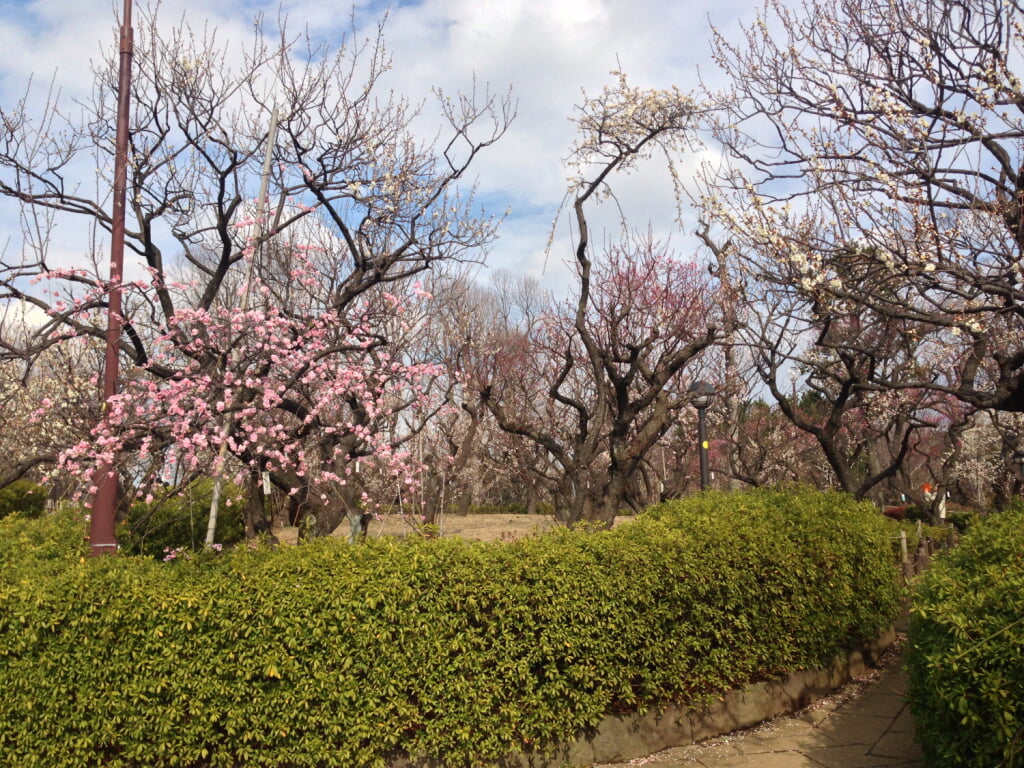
x=702 y=392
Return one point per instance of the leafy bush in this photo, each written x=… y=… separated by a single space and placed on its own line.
x=962 y=519
x=966 y=663
x=24 y=497
x=177 y=519
x=41 y=546
x=336 y=655
x=826 y=556
x=915 y=514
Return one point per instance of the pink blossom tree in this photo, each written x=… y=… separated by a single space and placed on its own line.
x=274 y=336
x=63 y=381
x=597 y=391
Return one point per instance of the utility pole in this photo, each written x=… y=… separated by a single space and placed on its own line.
x=102 y=540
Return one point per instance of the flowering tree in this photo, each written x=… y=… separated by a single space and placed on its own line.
x=63 y=381
x=597 y=391
x=467 y=459
x=863 y=431
x=599 y=378
x=770 y=449
x=301 y=399
x=876 y=155
x=980 y=466
x=270 y=334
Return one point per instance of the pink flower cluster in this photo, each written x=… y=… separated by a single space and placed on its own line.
x=184 y=553
x=300 y=393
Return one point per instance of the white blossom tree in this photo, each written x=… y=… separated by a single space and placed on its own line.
x=875 y=155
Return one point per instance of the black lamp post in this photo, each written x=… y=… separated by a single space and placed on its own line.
x=702 y=393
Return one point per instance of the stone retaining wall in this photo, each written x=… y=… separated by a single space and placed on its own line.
x=622 y=738
x=619 y=738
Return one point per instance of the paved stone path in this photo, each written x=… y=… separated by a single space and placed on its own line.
x=865 y=725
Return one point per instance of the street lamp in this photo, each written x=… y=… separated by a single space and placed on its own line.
x=702 y=393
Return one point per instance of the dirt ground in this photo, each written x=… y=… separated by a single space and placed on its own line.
x=475 y=527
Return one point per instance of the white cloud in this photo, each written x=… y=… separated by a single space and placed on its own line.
x=548 y=52
x=18 y=317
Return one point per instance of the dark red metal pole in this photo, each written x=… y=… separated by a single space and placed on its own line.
x=102 y=540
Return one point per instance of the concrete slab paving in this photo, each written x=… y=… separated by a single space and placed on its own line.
x=904 y=721
x=850 y=757
x=766 y=760
x=783 y=735
x=856 y=729
x=898 y=744
x=873 y=704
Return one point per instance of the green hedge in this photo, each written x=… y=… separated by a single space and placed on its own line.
x=335 y=655
x=23 y=497
x=34 y=549
x=966 y=661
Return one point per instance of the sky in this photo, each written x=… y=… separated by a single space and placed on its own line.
x=547 y=51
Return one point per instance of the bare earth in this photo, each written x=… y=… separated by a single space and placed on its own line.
x=474 y=527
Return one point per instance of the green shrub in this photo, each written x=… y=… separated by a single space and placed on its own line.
x=962 y=519
x=40 y=546
x=335 y=655
x=23 y=497
x=916 y=514
x=966 y=662
x=177 y=519
x=828 y=556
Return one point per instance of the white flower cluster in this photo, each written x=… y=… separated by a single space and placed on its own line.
x=625 y=122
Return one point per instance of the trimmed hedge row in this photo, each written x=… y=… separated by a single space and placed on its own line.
x=335 y=655
x=966 y=659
